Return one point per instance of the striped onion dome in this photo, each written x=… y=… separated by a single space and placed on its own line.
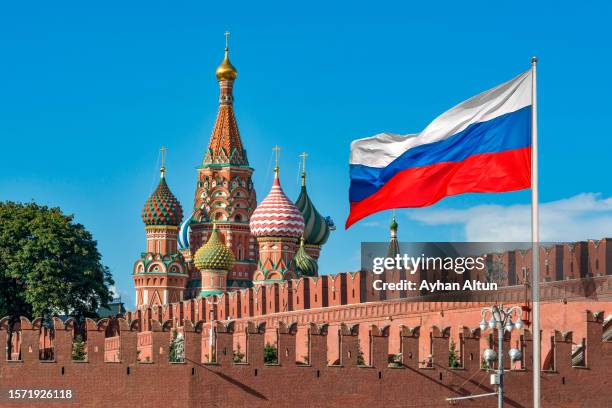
x=162 y=208
x=276 y=215
x=316 y=229
x=306 y=265
x=183 y=235
x=214 y=254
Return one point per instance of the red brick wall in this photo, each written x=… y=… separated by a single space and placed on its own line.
x=161 y=384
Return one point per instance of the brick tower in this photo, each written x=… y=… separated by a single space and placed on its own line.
x=224 y=190
x=160 y=275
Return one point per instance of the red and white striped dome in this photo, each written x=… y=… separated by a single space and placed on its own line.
x=277 y=216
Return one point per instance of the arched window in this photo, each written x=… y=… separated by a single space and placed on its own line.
x=238 y=218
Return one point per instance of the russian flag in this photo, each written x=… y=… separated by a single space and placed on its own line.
x=481 y=145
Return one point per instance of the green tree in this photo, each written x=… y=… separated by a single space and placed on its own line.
x=360 y=358
x=238 y=355
x=48 y=264
x=176 y=352
x=453 y=360
x=270 y=354
x=78 y=349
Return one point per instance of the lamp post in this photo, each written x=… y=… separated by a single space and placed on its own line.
x=501 y=319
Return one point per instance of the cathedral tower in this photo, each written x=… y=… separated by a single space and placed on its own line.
x=224 y=190
x=278 y=225
x=160 y=275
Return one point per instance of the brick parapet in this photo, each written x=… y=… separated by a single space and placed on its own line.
x=255 y=383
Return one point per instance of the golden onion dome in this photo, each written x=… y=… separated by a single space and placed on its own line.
x=226 y=71
x=214 y=255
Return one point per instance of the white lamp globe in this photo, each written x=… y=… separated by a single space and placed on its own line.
x=483 y=325
x=489 y=355
x=519 y=324
x=515 y=354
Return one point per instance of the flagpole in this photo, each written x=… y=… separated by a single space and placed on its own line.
x=535 y=238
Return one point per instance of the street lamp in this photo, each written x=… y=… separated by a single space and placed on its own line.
x=501 y=319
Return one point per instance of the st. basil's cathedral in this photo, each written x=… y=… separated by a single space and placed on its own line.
x=228 y=242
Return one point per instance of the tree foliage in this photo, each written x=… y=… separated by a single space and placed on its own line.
x=79 y=352
x=48 y=264
x=453 y=359
x=270 y=354
x=176 y=350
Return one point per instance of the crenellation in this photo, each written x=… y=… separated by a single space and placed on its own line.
x=350 y=350
x=255 y=343
x=379 y=346
x=286 y=343
x=134 y=342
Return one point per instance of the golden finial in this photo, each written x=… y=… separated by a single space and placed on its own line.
x=304 y=155
x=276 y=149
x=226 y=71
x=163 y=161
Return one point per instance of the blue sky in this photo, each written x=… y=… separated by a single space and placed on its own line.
x=91 y=92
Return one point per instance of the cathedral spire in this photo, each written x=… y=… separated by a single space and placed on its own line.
x=226 y=71
x=224 y=190
x=394 y=248
x=225 y=146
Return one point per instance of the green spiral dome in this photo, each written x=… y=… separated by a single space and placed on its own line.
x=305 y=264
x=214 y=254
x=316 y=230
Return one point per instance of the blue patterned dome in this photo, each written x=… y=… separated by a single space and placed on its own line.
x=183 y=235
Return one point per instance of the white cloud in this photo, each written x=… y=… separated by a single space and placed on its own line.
x=580 y=217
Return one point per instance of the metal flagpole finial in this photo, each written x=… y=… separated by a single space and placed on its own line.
x=534 y=60
x=227 y=34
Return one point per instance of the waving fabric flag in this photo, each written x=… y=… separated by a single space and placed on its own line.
x=481 y=145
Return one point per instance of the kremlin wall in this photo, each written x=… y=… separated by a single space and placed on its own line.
x=219 y=285
x=393 y=351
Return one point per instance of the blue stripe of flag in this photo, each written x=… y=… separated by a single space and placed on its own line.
x=505 y=132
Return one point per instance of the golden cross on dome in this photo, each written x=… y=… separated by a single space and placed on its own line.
x=227 y=34
x=304 y=155
x=163 y=160
x=276 y=149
